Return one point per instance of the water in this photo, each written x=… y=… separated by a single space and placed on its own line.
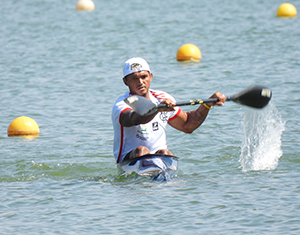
x=261 y=149
x=63 y=68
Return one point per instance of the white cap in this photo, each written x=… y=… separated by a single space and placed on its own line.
x=135 y=64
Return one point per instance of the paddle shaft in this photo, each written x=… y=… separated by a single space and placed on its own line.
x=196 y=101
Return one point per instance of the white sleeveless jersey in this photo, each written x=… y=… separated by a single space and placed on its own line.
x=151 y=135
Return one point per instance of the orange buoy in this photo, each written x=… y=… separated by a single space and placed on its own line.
x=189 y=52
x=23 y=126
x=286 y=10
x=85 y=5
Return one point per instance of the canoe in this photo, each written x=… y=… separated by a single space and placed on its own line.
x=155 y=166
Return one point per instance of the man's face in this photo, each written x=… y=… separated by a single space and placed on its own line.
x=138 y=82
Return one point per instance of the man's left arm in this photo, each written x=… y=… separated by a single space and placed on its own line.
x=190 y=121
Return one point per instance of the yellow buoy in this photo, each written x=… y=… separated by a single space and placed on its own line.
x=189 y=52
x=23 y=126
x=85 y=5
x=286 y=10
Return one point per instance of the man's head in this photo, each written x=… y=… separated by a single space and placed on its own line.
x=135 y=64
x=137 y=76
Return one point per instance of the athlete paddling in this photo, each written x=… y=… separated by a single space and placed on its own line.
x=135 y=135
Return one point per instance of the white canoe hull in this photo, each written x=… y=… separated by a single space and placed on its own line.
x=155 y=166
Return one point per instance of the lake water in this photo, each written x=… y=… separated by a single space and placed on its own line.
x=238 y=173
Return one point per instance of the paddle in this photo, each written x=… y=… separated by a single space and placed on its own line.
x=255 y=97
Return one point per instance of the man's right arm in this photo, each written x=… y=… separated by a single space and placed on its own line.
x=130 y=118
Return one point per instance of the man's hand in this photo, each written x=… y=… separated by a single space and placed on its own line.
x=170 y=105
x=221 y=97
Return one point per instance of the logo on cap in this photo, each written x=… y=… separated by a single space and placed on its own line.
x=135 y=66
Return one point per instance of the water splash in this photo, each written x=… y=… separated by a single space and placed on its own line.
x=261 y=147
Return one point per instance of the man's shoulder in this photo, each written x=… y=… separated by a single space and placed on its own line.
x=120 y=104
x=160 y=94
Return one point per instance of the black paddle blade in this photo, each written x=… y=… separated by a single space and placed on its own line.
x=256 y=97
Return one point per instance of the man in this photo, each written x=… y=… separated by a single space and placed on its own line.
x=135 y=135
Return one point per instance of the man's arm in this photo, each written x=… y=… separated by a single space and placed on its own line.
x=130 y=118
x=190 y=121
x=186 y=122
